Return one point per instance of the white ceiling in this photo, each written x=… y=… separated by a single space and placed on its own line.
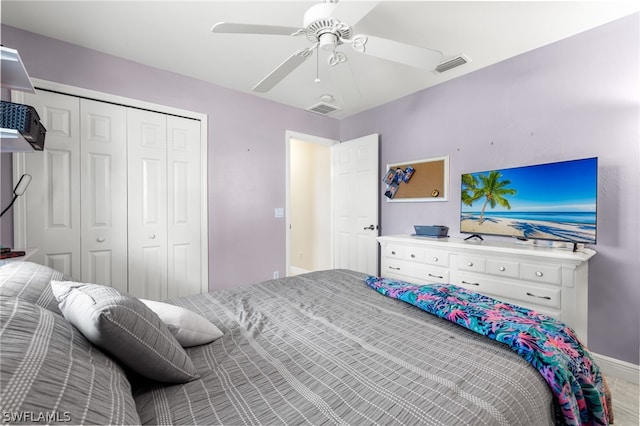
x=175 y=36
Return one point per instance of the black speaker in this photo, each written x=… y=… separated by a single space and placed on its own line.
x=24 y=119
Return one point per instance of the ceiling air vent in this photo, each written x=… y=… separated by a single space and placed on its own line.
x=323 y=108
x=454 y=62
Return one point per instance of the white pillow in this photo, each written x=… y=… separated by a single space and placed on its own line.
x=189 y=328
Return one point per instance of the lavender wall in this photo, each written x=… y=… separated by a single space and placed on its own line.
x=577 y=98
x=246 y=242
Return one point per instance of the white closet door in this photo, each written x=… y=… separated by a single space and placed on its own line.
x=104 y=193
x=52 y=200
x=147 y=202
x=184 y=198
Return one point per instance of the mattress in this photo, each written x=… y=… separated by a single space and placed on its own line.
x=323 y=348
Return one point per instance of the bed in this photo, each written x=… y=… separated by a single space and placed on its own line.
x=319 y=348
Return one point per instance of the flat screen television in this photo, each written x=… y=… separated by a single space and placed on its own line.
x=554 y=201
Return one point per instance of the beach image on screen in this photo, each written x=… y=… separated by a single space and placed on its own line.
x=555 y=201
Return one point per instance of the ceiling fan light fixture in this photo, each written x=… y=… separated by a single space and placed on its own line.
x=328 y=41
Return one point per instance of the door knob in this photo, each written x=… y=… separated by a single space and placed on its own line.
x=370 y=227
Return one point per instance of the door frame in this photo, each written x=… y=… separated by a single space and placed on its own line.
x=19 y=218
x=290 y=134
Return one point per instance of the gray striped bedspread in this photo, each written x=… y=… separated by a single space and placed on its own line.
x=323 y=348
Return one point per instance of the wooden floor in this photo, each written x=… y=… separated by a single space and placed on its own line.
x=626 y=402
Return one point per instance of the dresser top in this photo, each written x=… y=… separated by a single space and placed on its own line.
x=493 y=246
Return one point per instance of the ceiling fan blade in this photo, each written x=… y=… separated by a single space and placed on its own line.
x=283 y=70
x=395 y=51
x=352 y=12
x=231 y=28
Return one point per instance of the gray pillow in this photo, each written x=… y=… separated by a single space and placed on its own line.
x=124 y=327
x=49 y=373
x=30 y=281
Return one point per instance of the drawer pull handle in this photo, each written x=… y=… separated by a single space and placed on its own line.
x=539 y=297
x=394 y=268
x=502 y=269
x=100 y=239
x=470 y=264
x=468 y=283
x=436 y=276
x=539 y=274
x=413 y=256
x=435 y=259
x=393 y=252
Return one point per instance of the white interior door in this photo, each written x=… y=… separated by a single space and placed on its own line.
x=104 y=193
x=147 y=200
x=183 y=215
x=51 y=220
x=355 y=188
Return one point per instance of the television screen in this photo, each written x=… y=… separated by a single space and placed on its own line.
x=555 y=201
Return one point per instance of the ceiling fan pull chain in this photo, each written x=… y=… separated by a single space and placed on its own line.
x=317 y=66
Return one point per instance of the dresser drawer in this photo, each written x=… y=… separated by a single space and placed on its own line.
x=414 y=272
x=436 y=258
x=416 y=254
x=540 y=273
x=503 y=268
x=394 y=251
x=528 y=295
x=471 y=263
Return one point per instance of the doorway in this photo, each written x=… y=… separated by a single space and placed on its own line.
x=309 y=203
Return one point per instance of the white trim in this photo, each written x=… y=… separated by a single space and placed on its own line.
x=290 y=134
x=108 y=97
x=20 y=206
x=19 y=220
x=297 y=271
x=617 y=368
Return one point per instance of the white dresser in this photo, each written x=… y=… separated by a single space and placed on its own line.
x=552 y=281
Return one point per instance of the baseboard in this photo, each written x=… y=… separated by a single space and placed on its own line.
x=619 y=369
x=294 y=270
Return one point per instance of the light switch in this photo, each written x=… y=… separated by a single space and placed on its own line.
x=279 y=212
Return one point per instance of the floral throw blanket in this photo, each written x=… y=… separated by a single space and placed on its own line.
x=547 y=344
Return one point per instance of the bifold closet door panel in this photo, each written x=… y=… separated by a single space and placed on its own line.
x=147 y=203
x=103 y=148
x=52 y=200
x=184 y=207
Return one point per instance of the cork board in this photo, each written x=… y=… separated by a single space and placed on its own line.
x=429 y=181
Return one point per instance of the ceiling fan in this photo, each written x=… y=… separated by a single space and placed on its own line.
x=323 y=28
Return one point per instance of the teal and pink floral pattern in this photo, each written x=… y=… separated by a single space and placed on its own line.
x=546 y=343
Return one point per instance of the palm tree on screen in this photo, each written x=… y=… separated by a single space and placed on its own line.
x=469 y=189
x=494 y=190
